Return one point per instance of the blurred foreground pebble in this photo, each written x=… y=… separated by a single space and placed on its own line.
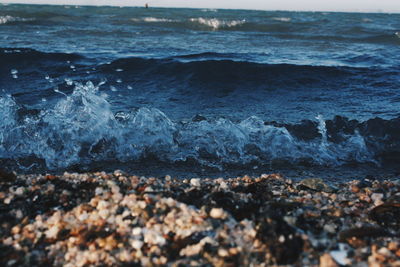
x=118 y=219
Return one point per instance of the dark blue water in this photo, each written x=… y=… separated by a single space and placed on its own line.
x=95 y=87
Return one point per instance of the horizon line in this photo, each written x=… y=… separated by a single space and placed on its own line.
x=372 y=11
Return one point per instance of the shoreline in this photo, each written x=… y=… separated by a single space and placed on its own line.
x=118 y=219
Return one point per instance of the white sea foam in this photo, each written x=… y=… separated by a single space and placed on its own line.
x=7 y=19
x=283 y=19
x=367 y=20
x=7 y=122
x=216 y=23
x=81 y=128
x=152 y=20
x=209 y=10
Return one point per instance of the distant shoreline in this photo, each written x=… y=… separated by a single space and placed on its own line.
x=218 y=8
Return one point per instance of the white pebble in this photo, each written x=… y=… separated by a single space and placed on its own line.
x=52 y=232
x=330 y=228
x=19 y=214
x=385 y=252
x=83 y=216
x=153 y=237
x=223 y=186
x=377 y=198
x=98 y=191
x=217 y=213
x=19 y=191
x=137 y=231
x=223 y=252
x=195 y=182
x=137 y=244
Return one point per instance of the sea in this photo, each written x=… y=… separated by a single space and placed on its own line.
x=199 y=92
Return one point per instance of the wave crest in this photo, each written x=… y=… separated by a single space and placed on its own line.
x=7 y=19
x=217 y=23
x=282 y=19
x=152 y=19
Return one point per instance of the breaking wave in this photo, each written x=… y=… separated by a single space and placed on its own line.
x=217 y=23
x=82 y=129
x=209 y=10
x=9 y=19
x=193 y=23
x=282 y=19
x=152 y=19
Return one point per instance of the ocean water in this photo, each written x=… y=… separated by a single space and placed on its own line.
x=198 y=91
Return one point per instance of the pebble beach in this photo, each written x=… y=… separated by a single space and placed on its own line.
x=296 y=112
x=118 y=219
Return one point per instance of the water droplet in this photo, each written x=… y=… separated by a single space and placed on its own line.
x=47 y=77
x=113 y=88
x=72 y=67
x=68 y=81
x=44 y=100
x=129 y=87
x=119 y=70
x=119 y=81
x=15 y=76
x=103 y=81
x=14 y=71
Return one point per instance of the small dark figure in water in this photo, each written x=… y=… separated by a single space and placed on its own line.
x=146 y=5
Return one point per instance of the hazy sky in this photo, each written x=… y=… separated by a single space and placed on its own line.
x=315 y=5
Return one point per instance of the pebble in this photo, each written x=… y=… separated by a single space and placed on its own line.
x=195 y=182
x=326 y=260
x=377 y=198
x=340 y=256
x=217 y=213
x=330 y=228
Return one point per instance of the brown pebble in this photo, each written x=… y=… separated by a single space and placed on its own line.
x=326 y=260
x=355 y=189
x=392 y=246
x=50 y=177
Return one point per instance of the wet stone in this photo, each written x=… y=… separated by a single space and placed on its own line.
x=363 y=232
x=387 y=214
x=7 y=176
x=316 y=184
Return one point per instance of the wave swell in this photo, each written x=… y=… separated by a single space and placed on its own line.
x=216 y=71
x=20 y=55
